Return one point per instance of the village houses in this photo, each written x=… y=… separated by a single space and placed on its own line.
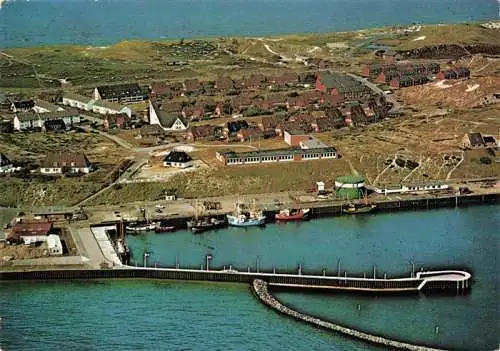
x=61 y=162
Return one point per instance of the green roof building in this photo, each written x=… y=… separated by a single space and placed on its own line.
x=350 y=187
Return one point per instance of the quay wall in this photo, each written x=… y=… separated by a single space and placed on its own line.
x=260 y=289
x=329 y=209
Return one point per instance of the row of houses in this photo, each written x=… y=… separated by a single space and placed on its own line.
x=103 y=107
x=353 y=114
x=228 y=85
x=46 y=121
x=385 y=72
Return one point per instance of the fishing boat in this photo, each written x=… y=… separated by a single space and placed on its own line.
x=292 y=214
x=200 y=224
x=205 y=224
x=243 y=218
x=136 y=228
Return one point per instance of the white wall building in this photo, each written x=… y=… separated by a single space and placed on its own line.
x=400 y=189
x=54 y=245
x=78 y=101
x=165 y=120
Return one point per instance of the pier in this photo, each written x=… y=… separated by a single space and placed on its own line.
x=422 y=281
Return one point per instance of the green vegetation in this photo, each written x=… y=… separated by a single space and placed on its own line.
x=463 y=34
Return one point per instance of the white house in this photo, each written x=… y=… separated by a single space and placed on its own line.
x=54 y=245
x=178 y=159
x=42 y=106
x=27 y=120
x=5 y=165
x=55 y=163
x=166 y=120
x=30 y=233
x=110 y=108
x=411 y=188
x=78 y=101
x=30 y=120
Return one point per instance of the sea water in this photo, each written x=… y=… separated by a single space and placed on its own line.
x=103 y=22
x=164 y=315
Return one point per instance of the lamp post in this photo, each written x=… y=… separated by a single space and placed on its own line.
x=338 y=268
x=208 y=257
x=145 y=258
x=412 y=275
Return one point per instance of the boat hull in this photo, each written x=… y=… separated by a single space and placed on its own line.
x=164 y=229
x=356 y=210
x=201 y=228
x=249 y=222
x=297 y=216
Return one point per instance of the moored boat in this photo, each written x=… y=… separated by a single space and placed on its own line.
x=140 y=227
x=205 y=224
x=292 y=214
x=241 y=218
x=164 y=229
x=355 y=208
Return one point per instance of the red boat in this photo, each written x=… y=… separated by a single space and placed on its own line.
x=164 y=229
x=292 y=215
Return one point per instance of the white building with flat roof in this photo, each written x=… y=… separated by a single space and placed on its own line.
x=54 y=245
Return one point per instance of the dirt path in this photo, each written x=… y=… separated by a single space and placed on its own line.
x=448 y=176
x=375 y=181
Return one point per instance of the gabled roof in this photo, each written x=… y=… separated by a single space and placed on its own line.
x=46 y=105
x=31 y=229
x=61 y=159
x=4 y=161
x=77 y=97
x=177 y=156
x=476 y=138
x=27 y=116
x=118 y=91
x=167 y=119
x=24 y=104
x=110 y=105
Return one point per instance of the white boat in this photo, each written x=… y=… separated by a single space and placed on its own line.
x=141 y=228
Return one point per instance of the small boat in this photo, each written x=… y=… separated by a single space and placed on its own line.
x=205 y=224
x=164 y=229
x=292 y=214
x=140 y=227
x=355 y=208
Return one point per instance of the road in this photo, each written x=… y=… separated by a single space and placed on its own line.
x=396 y=106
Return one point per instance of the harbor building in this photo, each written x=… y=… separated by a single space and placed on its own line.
x=54 y=245
x=350 y=187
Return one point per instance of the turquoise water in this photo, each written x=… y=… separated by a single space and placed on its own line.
x=129 y=315
x=102 y=22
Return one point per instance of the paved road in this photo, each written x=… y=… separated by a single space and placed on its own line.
x=396 y=106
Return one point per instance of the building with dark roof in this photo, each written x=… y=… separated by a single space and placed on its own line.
x=122 y=93
x=5 y=164
x=339 y=84
x=231 y=158
x=178 y=159
x=22 y=106
x=57 y=163
x=454 y=73
x=33 y=120
x=29 y=233
x=167 y=120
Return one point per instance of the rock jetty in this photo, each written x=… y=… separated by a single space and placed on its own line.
x=260 y=288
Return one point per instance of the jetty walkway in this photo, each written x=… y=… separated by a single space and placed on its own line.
x=260 y=289
x=422 y=281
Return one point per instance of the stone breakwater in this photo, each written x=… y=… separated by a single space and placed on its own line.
x=260 y=288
